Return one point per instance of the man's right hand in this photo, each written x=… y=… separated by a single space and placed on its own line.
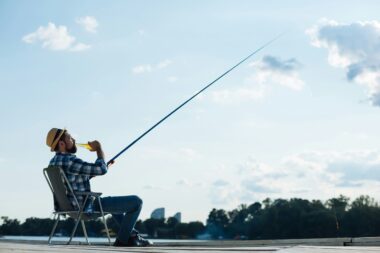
x=96 y=146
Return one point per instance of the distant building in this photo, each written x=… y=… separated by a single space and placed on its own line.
x=177 y=216
x=158 y=213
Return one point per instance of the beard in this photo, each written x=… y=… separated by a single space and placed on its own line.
x=73 y=149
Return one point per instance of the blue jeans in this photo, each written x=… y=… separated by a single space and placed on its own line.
x=125 y=210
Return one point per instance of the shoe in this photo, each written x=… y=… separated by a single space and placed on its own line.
x=138 y=241
x=133 y=241
x=119 y=243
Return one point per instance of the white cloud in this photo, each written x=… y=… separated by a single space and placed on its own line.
x=163 y=64
x=220 y=182
x=187 y=183
x=140 y=69
x=224 y=193
x=89 y=23
x=189 y=153
x=268 y=72
x=354 y=47
x=311 y=175
x=80 y=47
x=273 y=70
x=147 y=68
x=54 y=37
x=183 y=182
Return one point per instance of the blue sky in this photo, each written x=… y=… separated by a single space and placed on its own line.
x=299 y=119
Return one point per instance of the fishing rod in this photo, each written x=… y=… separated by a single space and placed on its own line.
x=110 y=162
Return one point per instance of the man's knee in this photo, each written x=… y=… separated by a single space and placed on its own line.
x=137 y=200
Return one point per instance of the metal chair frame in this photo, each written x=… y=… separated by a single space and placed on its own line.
x=79 y=214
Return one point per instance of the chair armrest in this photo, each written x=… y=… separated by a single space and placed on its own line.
x=95 y=194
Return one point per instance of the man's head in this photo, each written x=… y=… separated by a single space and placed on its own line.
x=59 y=140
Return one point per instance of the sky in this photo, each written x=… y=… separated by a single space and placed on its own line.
x=298 y=119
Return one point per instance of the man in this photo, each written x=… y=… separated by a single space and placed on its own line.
x=124 y=209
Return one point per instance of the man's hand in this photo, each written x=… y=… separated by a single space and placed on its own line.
x=96 y=146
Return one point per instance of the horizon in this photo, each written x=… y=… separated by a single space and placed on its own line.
x=238 y=207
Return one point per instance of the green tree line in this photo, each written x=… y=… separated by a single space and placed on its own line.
x=269 y=219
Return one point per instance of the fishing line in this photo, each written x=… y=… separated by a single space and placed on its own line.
x=188 y=100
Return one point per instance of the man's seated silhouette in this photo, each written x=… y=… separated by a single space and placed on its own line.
x=124 y=209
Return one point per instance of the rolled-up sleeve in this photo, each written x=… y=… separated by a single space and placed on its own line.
x=78 y=166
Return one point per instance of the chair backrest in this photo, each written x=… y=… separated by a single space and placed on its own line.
x=60 y=187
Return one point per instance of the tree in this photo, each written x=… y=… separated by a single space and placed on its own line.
x=364 y=201
x=363 y=218
x=10 y=226
x=254 y=209
x=339 y=204
x=36 y=226
x=172 y=222
x=280 y=218
x=217 y=222
x=195 y=228
x=152 y=226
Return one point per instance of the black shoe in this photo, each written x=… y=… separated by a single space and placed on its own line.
x=133 y=241
x=138 y=241
x=118 y=243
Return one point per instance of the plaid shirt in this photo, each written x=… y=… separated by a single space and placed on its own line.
x=78 y=172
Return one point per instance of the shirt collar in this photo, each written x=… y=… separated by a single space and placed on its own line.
x=64 y=154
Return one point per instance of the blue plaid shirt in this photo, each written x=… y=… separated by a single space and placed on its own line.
x=78 y=172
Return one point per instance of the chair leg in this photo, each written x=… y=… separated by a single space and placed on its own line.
x=75 y=228
x=54 y=227
x=85 y=232
x=80 y=213
x=104 y=221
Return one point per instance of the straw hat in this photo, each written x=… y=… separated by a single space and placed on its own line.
x=53 y=137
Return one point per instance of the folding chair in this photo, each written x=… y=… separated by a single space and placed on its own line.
x=60 y=186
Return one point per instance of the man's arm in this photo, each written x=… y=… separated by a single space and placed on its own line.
x=96 y=146
x=90 y=169
x=78 y=166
